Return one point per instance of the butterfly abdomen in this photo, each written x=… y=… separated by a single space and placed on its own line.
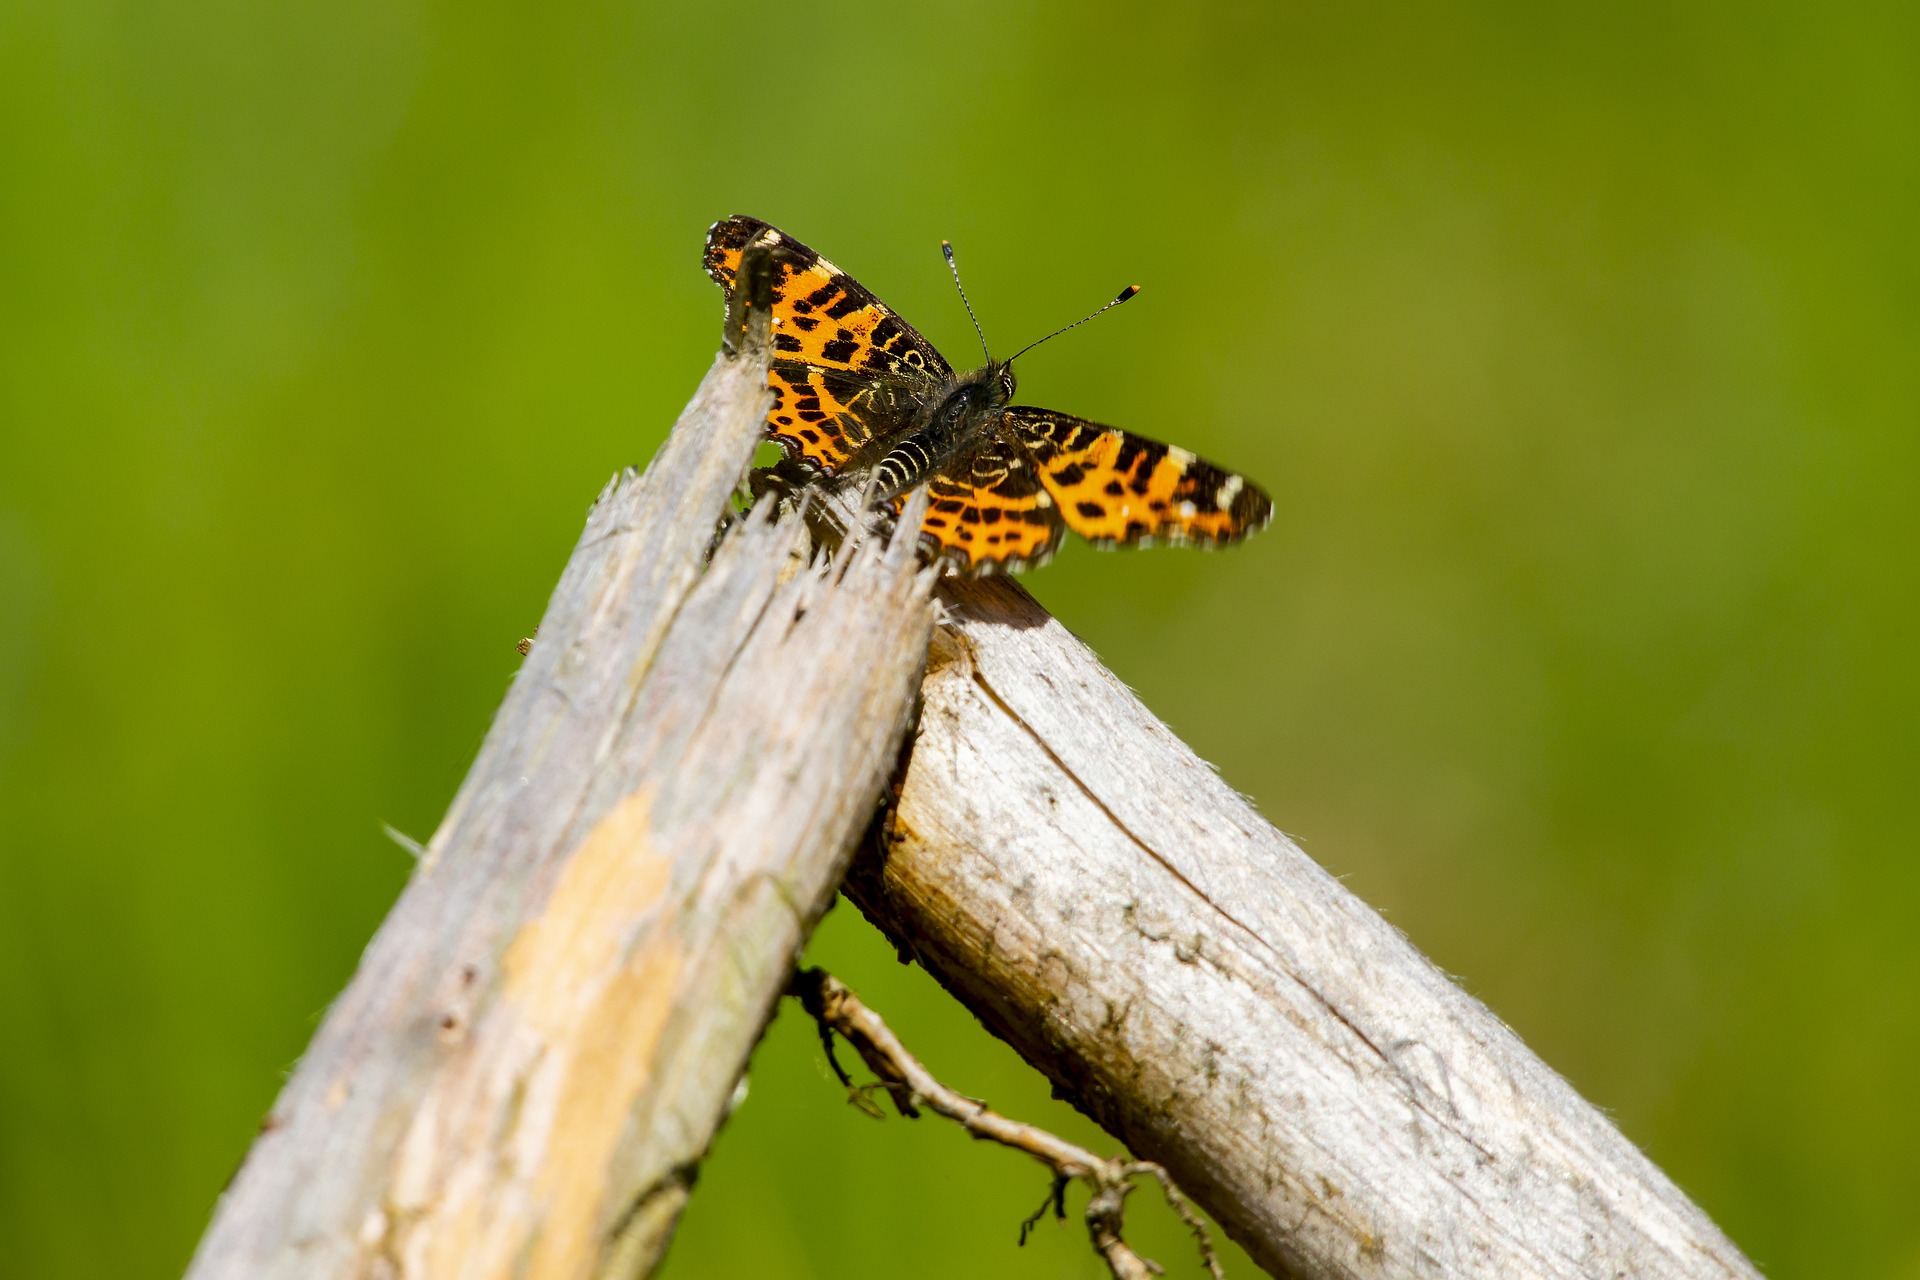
x=903 y=467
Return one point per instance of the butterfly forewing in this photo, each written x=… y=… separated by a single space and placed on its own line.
x=844 y=366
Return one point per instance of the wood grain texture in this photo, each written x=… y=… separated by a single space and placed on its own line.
x=545 y=1033
x=1102 y=900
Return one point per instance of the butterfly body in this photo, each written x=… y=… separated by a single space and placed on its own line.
x=954 y=424
x=860 y=398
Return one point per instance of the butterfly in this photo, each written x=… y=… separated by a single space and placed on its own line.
x=861 y=397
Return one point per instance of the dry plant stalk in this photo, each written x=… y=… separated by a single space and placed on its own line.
x=910 y=1085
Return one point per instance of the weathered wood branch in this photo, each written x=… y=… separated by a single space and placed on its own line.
x=546 y=1031
x=1187 y=976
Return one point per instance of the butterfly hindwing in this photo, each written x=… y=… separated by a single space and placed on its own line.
x=990 y=513
x=1115 y=488
x=823 y=417
x=845 y=368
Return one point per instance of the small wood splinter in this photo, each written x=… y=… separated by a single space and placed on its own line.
x=911 y=1086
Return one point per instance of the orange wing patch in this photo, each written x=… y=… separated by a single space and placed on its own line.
x=1114 y=488
x=845 y=367
x=816 y=418
x=993 y=517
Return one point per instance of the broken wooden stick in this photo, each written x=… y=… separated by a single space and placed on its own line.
x=541 y=1040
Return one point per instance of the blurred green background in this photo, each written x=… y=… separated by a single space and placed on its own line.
x=1576 y=343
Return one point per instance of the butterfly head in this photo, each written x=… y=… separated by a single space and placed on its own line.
x=979 y=394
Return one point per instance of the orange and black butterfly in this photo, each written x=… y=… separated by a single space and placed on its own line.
x=861 y=397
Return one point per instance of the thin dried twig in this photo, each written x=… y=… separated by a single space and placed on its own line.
x=839 y=1012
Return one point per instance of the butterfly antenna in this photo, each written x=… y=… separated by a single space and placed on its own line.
x=946 y=247
x=1125 y=293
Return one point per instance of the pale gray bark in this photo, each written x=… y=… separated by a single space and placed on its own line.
x=544 y=1034
x=1103 y=901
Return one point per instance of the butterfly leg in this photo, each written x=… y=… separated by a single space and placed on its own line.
x=794 y=488
x=784 y=482
x=830 y=504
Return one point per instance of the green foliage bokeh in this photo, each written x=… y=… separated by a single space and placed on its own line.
x=1576 y=345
